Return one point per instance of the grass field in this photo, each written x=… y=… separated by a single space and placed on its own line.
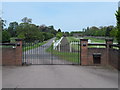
x=70 y=39
x=93 y=40
x=72 y=57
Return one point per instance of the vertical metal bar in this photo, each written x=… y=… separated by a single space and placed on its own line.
x=78 y=53
x=31 y=52
x=28 y=52
x=23 y=52
x=51 y=56
x=37 y=52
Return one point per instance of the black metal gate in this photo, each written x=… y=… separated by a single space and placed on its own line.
x=47 y=54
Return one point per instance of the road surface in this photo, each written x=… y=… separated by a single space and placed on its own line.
x=59 y=76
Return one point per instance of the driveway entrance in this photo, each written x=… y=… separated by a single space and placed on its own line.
x=59 y=76
x=35 y=54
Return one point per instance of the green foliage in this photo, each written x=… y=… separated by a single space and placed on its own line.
x=66 y=33
x=12 y=40
x=101 y=31
x=5 y=36
x=108 y=30
x=118 y=25
x=2 y=23
x=47 y=35
x=12 y=29
x=113 y=32
x=59 y=35
x=29 y=32
x=59 y=30
x=26 y=20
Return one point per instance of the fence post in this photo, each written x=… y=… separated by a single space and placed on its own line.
x=19 y=52
x=83 y=51
x=108 y=43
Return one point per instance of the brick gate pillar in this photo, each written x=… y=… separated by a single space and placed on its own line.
x=19 y=52
x=83 y=51
x=108 y=43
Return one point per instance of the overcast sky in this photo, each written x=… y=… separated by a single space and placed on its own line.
x=68 y=16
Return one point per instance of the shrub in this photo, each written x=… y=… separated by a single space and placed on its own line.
x=5 y=36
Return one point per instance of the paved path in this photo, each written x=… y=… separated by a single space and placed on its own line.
x=40 y=56
x=59 y=76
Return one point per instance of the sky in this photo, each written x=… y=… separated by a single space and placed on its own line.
x=68 y=16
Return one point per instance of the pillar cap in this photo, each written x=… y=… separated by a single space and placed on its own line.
x=18 y=39
x=83 y=39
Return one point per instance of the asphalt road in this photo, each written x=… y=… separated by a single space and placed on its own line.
x=40 y=56
x=59 y=76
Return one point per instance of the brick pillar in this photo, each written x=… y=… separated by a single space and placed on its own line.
x=19 y=52
x=83 y=51
x=108 y=43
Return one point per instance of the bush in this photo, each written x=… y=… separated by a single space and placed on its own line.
x=5 y=36
x=59 y=35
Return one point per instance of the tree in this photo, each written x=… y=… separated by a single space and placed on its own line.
x=118 y=25
x=29 y=32
x=2 y=23
x=109 y=28
x=113 y=32
x=66 y=33
x=12 y=29
x=5 y=36
x=59 y=30
x=26 y=20
x=59 y=35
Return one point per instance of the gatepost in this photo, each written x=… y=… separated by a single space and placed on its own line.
x=19 y=52
x=83 y=51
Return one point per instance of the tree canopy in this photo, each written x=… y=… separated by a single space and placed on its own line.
x=118 y=25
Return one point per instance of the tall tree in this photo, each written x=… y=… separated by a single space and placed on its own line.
x=2 y=23
x=29 y=32
x=118 y=25
x=59 y=30
x=26 y=20
x=12 y=29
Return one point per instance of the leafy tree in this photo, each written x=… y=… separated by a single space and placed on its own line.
x=2 y=23
x=59 y=30
x=113 y=32
x=118 y=25
x=29 y=32
x=59 y=35
x=66 y=34
x=108 y=30
x=5 y=36
x=47 y=35
x=26 y=20
x=12 y=28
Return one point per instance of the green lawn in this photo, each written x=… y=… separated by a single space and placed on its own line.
x=70 y=39
x=72 y=57
x=93 y=40
x=31 y=46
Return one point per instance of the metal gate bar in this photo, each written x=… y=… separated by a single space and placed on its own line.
x=37 y=55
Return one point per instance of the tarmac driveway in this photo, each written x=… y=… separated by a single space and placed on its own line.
x=59 y=76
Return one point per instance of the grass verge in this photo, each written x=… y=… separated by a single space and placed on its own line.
x=69 y=56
